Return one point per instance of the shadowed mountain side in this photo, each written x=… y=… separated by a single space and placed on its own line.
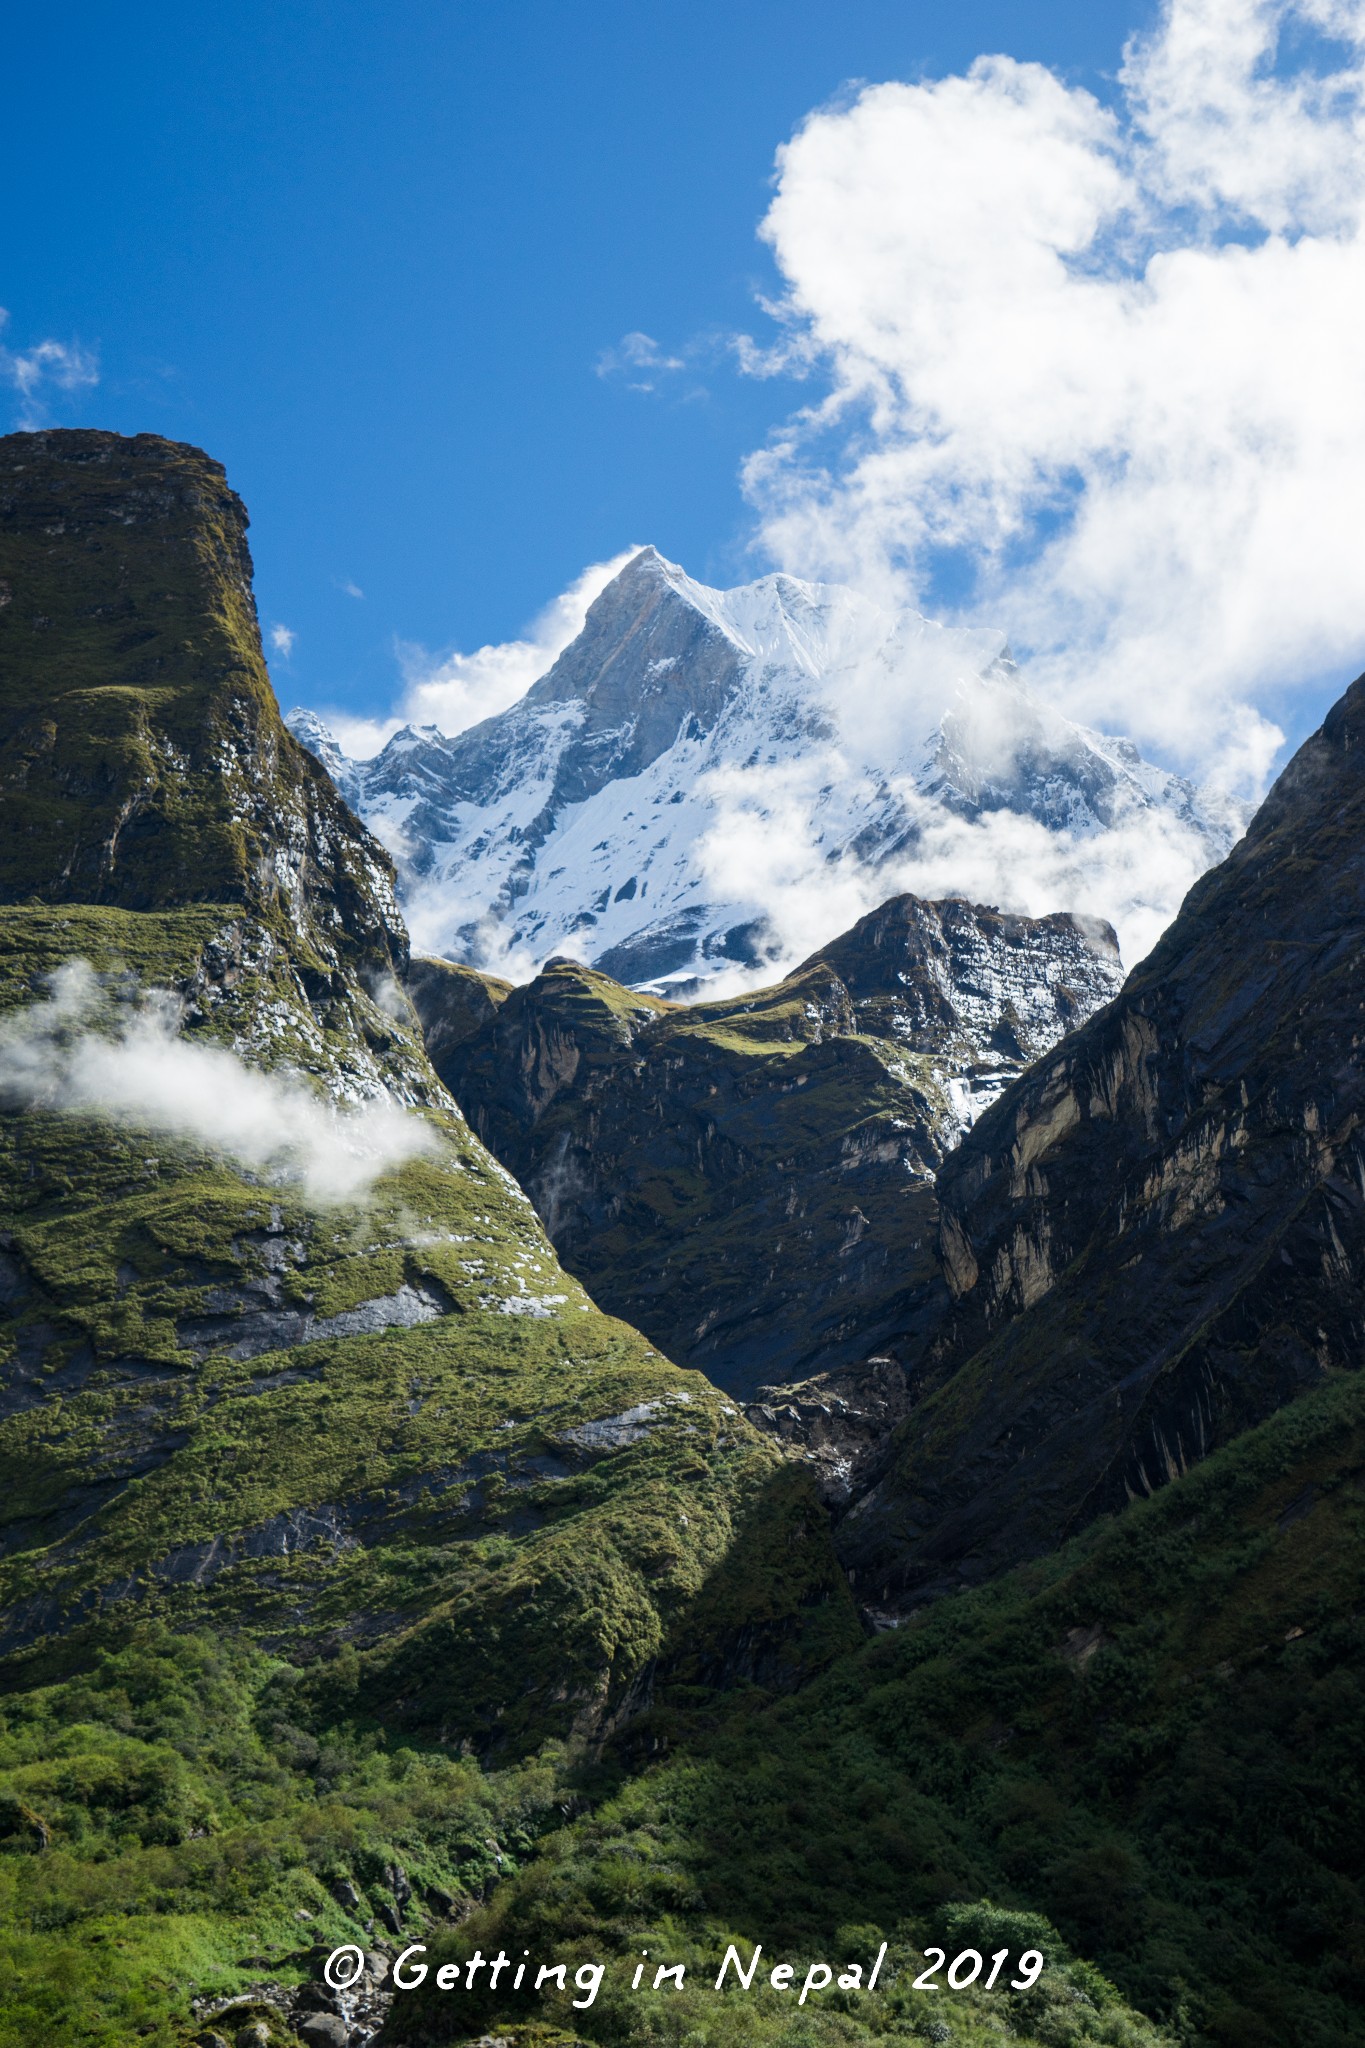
x=751 y=1182
x=1157 y=1236
x=1152 y=1737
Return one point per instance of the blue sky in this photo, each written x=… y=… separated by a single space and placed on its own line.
x=370 y=256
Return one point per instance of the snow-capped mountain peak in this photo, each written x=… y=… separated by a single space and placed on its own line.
x=707 y=781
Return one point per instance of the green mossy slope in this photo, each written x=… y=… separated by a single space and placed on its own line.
x=399 y=1527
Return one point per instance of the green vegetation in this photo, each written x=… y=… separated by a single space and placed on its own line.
x=414 y=1493
x=358 y=1576
x=168 y=1830
x=1150 y=1740
x=1070 y=2006
x=381 y=1456
x=1153 y=1738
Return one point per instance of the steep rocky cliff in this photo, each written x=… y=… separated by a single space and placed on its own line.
x=285 y=1351
x=751 y=1182
x=143 y=763
x=1157 y=1236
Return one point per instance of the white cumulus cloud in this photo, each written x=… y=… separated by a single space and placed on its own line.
x=762 y=847
x=62 y=1053
x=1096 y=369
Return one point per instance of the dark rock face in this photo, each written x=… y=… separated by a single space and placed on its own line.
x=1157 y=1236
x=751 y=1182
x=144 y=761
x=837 y=1420
x=454 y=1004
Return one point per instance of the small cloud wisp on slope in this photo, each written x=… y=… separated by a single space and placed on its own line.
x=61 y=1054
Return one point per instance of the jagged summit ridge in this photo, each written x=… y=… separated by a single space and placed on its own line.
x=597 y=816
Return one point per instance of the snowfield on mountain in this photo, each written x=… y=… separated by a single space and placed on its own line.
x=706 y=783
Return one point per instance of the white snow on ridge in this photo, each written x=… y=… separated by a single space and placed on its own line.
x=708 y=784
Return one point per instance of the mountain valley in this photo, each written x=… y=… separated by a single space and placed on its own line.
x=603 y=1458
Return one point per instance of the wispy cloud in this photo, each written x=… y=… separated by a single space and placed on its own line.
x=47 y=367
x=350 y=589
x=764 y=850
x=1097 y=368
x=66 y=1053
x=282 y=640
x=640 y=360
x=642 y=364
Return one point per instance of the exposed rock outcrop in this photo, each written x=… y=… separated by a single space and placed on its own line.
x=1157 y=1236
x=751 y=1182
